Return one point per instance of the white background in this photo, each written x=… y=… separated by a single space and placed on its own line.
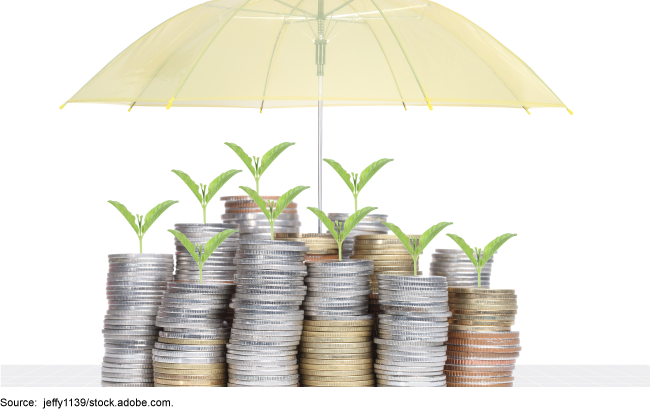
x=574 y=188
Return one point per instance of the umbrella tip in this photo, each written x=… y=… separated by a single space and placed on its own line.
x=526 y=108
x=131 y=107
x=171 y=101
x=404 y=106
x=570 y=112
x=63 y=105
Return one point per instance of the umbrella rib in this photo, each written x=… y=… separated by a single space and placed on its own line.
x=387 y=62
x=338 y=8
x=408 y=60
x=293 y=8
x=171 y=100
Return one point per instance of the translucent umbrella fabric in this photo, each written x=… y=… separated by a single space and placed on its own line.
x=270 y=53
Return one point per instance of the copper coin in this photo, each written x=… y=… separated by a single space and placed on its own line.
x=453 y=373
x=479 y=385
x=484 y=342
x=481 y=355
x=479 y=369
x=471 y=362
x=251 y=204
x=483 y=335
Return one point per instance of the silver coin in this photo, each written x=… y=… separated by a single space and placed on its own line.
x=257 y=215
x=187 y=360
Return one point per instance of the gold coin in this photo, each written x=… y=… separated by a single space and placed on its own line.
x=361 y=246
x=381 y=257
x=337 y=329
x=381 y=252
x=328 y=357
x=487 y=308
x=396 y=272
x=484 y=317
x=328 y=251
x=336 y=362
x=336 y=351
x=193 y=341
x=337 y=323
x=482 y=312
x=191 y=371
x=492 y=296
x=169 y=376
x=209 y=382
x=486 y=302
x=310 y=339
x=480 y=290
x=336 y=373
x=391 y=264
x=319 y=383
x=480 y=328
x=191 y=365
x=306 y=333
x=376 y=241
x=482 y=322
x=335 y=345
x=337 y=367
x=370 y=376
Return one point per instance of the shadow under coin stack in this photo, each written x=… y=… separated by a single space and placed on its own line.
x=192 y=348
x=454 y=265
x=482 y=350
x=369 y=225
x=322 y=246
x=268 y=319
x=411 y=349
x=336 y=345
x=253 y=224
x=134 y=288
x=220 y=266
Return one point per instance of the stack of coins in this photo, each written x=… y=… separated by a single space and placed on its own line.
x=268 y=319
x=454 y=265
x=322 y=246
x=192 y=347
x=220 y=266
x=482 y=348
x=253 y=224
x=134 y=288
x=411 y=347
x=336 y=346
x=369 y=225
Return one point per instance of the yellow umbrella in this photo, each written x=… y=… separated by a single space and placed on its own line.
x=303 y=53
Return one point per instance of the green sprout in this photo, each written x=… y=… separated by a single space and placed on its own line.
x=204 y=251
x=273 y=209
x=257 y=169
x=414 y=246
x=348 y=225
x=479 y=257
x=205 y=193
x=141 y=227
x=357 y=183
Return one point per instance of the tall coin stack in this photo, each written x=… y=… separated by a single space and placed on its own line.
x=253 y=224
x=482 y=348
x=411 y=347
x=454 y=265
x=191 y=350
x=336 y=346
x=322 y=246
x=134 y=289
x=268 y=319
x=369 y=225
x=389 y=257
x=220 y=266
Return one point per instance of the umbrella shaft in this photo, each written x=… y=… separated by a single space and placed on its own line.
x=320 y=149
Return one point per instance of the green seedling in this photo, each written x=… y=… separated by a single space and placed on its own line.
x=258 y=168
x=478 y=256
x=273 y=209
x=205 y=193
x=138 y=226
x=201 y=252
x=356 y=183
x=348 y=225
x=414 y=245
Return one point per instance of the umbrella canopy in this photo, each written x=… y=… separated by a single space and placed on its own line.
x=272 y=53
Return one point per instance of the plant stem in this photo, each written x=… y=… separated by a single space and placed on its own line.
x=200 y=273
x=340 y=257
x=140 y=239
x=355 y=203
x=479 y=278
x=257 y=185
x=272 y=236
x=415 y=266
x=204 y=214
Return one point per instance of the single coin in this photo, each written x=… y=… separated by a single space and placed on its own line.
x=338 y=374
x=320 y=383
x=334 y=360
x=205 y=382
x=381 y=257
x=308 y=377
x=339 y=323
x=481 y=290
